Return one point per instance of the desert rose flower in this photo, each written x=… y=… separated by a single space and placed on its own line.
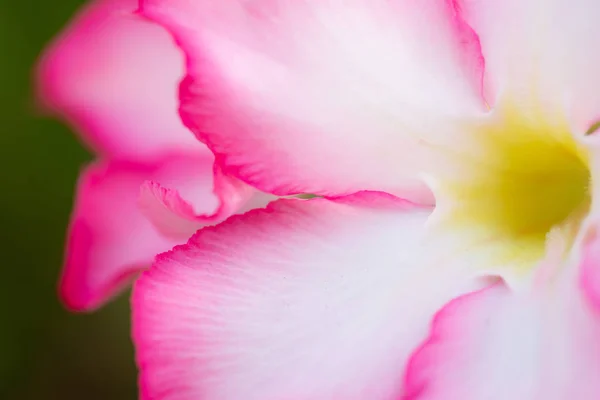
x=491 y=294
x=114 y=76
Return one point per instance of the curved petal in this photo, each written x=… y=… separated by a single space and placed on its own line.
x=306 y=299
x=114 y=77
x=109 y=238
x=541 y=53
x=323 y=97
x=176 y=217
x=498 y=344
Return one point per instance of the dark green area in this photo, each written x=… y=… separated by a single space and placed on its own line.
x=45 y=352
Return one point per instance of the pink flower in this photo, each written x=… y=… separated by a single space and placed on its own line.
x=492 y=294
x=113 y=76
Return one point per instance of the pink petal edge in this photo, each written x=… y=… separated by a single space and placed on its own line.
x=260 y=176
x=227 y=313
x=415 y=380
x=502 y=343
x=109 y=238
x=122 y=102
x=176 y=217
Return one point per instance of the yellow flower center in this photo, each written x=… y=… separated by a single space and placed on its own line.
x=515 y=182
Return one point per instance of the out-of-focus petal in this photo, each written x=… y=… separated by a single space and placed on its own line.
x=109 y=238
x=314 y=299
x=323 y=97
x=499 y=344
x=541 y=52
x=114 y=76
x=590 y=265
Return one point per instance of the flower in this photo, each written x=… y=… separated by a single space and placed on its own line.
x=490 y=294
x=113 y=76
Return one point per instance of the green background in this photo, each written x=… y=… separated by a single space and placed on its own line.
x=45 y=352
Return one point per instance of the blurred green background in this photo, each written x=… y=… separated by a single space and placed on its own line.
x=46 y=352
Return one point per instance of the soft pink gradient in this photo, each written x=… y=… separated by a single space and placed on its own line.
x=330 y=298
x=415 y=380
x=109 y=238
x=496 y=344
x=539 y=53
x=113 y=77
x=327 y=116
x=174 y=216
x=312 y=299
x=589 y=278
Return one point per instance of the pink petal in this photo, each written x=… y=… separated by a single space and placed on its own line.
x=590 y=266
x=314 y=299
x=109 y=238
x=174 y=216
x=541 y=53
x=323 y=97
x=498 y=344
x=113 y=76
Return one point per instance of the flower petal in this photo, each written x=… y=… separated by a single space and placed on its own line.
x=541 y=52
x=498 y=344
x=109 y=238
x=590 y=265
x=175 y=217
x=323 y=97
x=114 y=77
x=306 y=299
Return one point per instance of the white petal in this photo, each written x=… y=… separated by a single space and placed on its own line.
x=313 y=299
